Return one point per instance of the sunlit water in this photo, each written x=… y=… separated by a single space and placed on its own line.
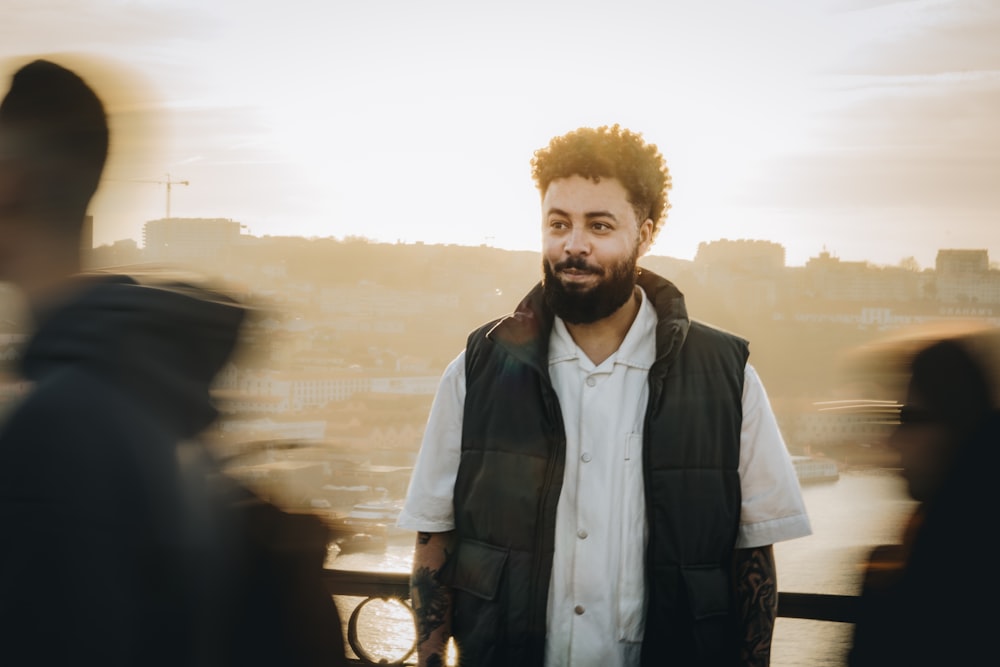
x=861 y=509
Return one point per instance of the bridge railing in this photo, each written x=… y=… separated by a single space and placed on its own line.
x=394 y=587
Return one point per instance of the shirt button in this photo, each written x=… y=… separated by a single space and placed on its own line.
x=585 y=457
x=582 y=534
x=578 y=609
x=591 y=381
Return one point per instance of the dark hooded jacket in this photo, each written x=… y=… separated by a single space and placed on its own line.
x=110 y=552
x=930 y=601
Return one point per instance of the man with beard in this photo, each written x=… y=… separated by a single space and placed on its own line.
x=601 y=478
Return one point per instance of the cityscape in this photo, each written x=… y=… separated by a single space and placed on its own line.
x=347 y=339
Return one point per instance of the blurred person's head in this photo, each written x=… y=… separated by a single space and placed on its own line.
x=604 y=198
x=53 y=147
x=949 y=396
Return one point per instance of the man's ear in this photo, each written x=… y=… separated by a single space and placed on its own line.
x=645 y=236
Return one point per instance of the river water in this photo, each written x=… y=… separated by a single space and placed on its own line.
x=859 y=510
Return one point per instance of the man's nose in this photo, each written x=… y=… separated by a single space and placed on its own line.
x=577 y=243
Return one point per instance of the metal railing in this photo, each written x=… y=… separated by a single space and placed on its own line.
x=395 y=586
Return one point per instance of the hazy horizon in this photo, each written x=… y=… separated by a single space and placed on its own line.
x=664 y=253
x=865 y=127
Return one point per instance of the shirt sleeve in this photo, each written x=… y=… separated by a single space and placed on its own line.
x=773 y=509
x=428 y=507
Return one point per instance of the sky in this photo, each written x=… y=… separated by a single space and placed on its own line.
x=865 y=128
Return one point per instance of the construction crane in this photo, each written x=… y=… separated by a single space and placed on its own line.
x=169 y=182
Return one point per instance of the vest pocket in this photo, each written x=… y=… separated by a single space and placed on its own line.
x=714 y=630
x=480 y=617
x=477 y=568
x=708 y=591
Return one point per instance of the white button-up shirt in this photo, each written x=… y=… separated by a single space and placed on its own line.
x=597 y=592
x=601 y=519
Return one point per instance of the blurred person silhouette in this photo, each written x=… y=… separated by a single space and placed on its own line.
x=932 y=600
x=116 y=547
x=602 y=478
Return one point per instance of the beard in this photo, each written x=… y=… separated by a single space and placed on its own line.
x=584 y=305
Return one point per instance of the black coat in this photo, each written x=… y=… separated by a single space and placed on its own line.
x=933 y=600
x=110 y=551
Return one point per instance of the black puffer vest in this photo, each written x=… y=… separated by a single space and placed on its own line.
x=511 y=472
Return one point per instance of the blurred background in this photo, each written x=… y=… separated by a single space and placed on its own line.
x=358 y=173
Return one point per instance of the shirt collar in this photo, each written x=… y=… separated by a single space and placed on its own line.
x=638 y=349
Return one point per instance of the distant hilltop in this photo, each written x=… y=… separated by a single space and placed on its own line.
x=197 y=239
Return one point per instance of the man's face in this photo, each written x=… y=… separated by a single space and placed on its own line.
x=591 y=241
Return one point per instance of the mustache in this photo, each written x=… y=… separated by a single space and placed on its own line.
x=577 y=263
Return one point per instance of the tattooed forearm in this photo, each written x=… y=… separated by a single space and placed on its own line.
x=756 y=593
x=430 y=598
x=431 y=602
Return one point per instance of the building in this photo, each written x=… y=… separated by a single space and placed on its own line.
x=962 y=261
x=743 y=255
x=315 y=389
x=827 y=277
x=964 y=277
x=188 y=239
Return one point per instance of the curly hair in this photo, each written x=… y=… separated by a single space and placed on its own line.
x=609 y=152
